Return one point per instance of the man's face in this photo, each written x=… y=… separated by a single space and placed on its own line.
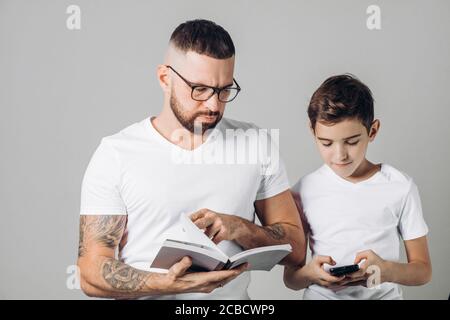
x=201 y=70
x=343 y=145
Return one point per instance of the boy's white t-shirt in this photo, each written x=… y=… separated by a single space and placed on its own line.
x=138 y=173
x=345 y=218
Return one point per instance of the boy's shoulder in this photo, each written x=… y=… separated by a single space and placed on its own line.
x=321 y=177
x=394 y=175
x=395 y=179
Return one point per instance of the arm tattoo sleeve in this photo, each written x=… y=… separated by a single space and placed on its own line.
x=123 y=277
x=106 y=230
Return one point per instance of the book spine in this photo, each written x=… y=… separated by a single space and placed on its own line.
x=225 y=266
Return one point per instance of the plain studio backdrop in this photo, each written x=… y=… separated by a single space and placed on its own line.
x=62 y=90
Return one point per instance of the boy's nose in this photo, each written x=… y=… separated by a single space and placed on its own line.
x=341 y=154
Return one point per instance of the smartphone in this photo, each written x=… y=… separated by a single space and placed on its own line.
x=344 y=270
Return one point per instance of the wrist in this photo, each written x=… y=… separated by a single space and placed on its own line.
x=307 y=274
x=238 y=227
x=387 y=272
x=158 y=283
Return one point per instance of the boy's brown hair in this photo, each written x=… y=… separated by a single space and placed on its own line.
x=341 y=97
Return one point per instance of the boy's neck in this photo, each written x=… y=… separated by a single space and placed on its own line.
x=365 y=170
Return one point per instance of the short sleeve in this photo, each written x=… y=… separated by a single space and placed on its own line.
x=412 y=224
x=100 y=193
x=274 y=178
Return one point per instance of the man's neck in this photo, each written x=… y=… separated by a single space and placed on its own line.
x=169 y=127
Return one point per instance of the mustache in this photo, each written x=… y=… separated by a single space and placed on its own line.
x=208 y=113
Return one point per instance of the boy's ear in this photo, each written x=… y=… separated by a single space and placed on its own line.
x=374 y=129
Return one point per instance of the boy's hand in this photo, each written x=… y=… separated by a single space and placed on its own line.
x=371 y=259
x=316 y=273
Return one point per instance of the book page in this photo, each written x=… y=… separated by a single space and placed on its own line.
x=262 y=258
x=193 y=233
x=203 y=258
x=228 y=248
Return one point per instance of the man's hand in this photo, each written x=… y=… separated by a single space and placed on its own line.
x=178 y=280
x=280 y=224
x=217 y=226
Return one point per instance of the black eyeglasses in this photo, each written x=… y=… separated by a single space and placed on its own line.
x=201 y=92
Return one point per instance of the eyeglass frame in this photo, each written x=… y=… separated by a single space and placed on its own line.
x=217 y=90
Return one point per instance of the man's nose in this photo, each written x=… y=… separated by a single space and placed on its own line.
x=213 y=103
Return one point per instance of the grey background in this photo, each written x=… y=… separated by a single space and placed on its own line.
x=61 y=91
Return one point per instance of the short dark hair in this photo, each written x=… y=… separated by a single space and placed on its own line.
x=203 y=37
x=341 y=97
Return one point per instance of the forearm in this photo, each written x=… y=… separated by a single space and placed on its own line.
x=408 y=274
x=109 y=278
x=250 y=235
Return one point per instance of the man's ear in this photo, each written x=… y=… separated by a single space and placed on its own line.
x=374 y=129
x=162 y=73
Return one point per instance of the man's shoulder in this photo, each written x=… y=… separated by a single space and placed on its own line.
x=133 y=132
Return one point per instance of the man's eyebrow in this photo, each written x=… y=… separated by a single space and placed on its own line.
x=205 y=85
x=348 y=138
x=228 y=85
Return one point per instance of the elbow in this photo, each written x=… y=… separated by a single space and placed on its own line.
x=87 y=282
x=288 y=279
x=427 y=275
x=87 y=288
x=297 y=257
x=289 y=285
x=424 y=274
x=91 y=291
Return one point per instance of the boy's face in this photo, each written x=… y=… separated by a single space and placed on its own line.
x=343 y=145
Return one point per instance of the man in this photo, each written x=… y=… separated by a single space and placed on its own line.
x=134 y=188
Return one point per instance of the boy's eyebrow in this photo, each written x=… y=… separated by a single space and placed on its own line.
x=354 y=136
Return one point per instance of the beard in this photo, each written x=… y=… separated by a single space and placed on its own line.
x=188 y=121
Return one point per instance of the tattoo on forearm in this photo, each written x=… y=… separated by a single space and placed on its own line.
x=123 y=277
x=82 y=243
x=275 y=231
x=106 y=230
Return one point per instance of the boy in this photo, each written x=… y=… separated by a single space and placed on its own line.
x=354 y=211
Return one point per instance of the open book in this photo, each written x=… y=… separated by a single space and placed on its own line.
x=207 y=256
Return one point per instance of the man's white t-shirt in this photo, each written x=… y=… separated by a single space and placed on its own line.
x=345 y=218
x=138 y=173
